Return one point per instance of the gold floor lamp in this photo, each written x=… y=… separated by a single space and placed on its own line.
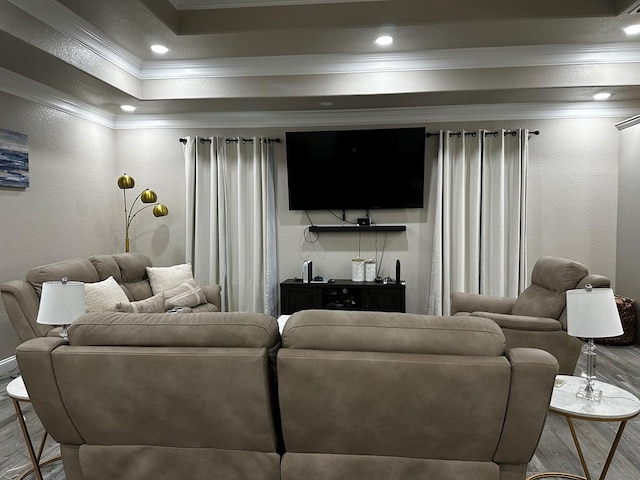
x=149 y=197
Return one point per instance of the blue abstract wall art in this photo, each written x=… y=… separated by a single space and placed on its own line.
x=14 y=159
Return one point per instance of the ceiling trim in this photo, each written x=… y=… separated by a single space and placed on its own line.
x=24 y=87
x=65 y=21
x=213 y=4
x=378 y=116
x=460 y=58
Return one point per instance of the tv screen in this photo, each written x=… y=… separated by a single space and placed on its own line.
x=356 y=169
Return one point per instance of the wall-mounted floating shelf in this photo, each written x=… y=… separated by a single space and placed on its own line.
x=357 y=228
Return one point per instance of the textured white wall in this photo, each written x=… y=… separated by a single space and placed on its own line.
x=68 y=209
x=573 y=192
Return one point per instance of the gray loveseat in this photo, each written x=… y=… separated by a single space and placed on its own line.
x=351 y=395
x=22 y=297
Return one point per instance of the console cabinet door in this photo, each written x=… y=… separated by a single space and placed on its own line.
x=385 y=299
x=295 y=298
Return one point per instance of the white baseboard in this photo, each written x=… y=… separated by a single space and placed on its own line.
x=8 y=365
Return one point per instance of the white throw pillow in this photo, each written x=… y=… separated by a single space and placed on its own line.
x=162 y=279
x=103 y=296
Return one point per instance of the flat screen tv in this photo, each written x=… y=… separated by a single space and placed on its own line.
x=356 y=169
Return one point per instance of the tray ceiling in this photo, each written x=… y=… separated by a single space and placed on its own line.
x=318 y=57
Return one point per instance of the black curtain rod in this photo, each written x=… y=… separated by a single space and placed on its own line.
x=513 y=133
x=229 y=140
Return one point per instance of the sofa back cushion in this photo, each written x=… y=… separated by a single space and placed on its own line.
x=234 y=329
x=393 y=333
x=106 y=267
x=185 y=381
x=133 y=273
x=407 y=395
x=77 y=269
x=550 y=279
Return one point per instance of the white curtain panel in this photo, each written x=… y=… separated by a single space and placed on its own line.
x=479 y=243
x=231 y=227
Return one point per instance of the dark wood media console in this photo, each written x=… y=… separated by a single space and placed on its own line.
x=342 y=295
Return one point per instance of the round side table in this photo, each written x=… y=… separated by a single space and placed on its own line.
x=18 y=393
x=617 y=405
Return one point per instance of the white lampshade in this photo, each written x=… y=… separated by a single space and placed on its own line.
x=61 y=303
x=592 y=313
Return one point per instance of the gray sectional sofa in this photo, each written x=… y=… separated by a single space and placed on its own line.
x=22 y=297
x=337 y=395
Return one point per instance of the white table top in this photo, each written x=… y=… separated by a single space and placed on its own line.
x=17 y=390
x=616 y=403
x=282 y=320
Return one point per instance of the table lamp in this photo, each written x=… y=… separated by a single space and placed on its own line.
x=592 y=313
x=61 y=303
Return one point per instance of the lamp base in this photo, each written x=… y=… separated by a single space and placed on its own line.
x=589 y=393
x=588 y=390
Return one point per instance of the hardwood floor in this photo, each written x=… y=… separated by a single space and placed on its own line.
x=618 y=365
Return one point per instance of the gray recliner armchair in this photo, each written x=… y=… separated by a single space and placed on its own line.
x=537 y=317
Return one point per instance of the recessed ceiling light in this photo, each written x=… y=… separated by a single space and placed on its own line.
x=632 y=29
x=159 y=49
x=128 y=108
x=384 y=40
x=601 y=96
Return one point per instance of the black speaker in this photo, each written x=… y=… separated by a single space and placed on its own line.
x=397 y=271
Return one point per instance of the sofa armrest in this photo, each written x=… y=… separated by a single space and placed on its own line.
x=533 y=373
x=521 y=322
x=212 y=292
x=473 y=302
x=36 y=367
x=21 y=303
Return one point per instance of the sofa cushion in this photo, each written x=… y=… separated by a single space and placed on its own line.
x=206 y=307
x=162 y=279
x=137 y=290
x=237 y=329
x=106 y=267
x=188 y=294
x=550 y=279
x=134 y=274
x=536 y=301
x=153 y=304
x=557 y=274
x=132 y=266
x=103 y=296
x=390 y=332
x=77 y=270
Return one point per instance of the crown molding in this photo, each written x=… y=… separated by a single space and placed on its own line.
x=448 y=59
x=379 y=116
x=65 y=21
x=28 y=89
x=214 y=4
